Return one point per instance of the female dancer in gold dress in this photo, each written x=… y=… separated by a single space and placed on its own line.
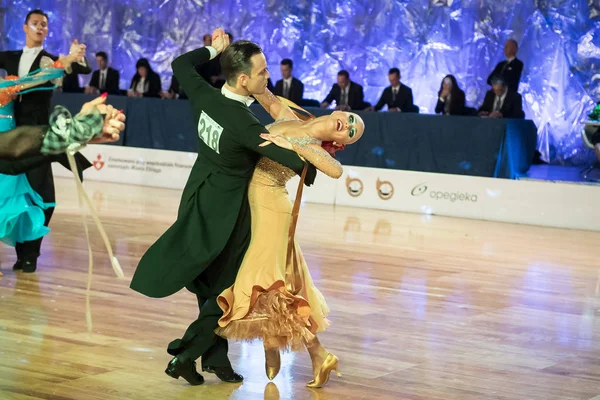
x=273 y=297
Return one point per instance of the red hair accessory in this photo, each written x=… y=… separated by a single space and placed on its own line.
x=332 y=148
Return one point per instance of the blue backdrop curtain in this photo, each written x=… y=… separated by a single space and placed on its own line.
x=427 y=39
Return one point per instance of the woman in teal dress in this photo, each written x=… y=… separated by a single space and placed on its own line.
x=21 y=208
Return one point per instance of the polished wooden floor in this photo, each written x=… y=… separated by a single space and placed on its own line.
x=421 y=307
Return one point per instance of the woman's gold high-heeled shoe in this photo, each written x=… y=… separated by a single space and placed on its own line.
x=272 y=362
x=331 y=363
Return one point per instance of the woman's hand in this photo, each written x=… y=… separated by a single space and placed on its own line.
x=279 y=140
x=220 y=40
x=114 y=122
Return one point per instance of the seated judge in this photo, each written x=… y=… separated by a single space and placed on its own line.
x=500 y=102
x=105 y=79
x=451 y=98
x=211 y=71
x=70 y=83
x=146 y=82
x=347 y=95
x=398 y=97
x=510 y=69
x=175 y=91
x=289 y=87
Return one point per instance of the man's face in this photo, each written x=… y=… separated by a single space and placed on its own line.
x=510 y=49
x=498 y=89
x=343 y=81
x=256 y=83
x=207 y=40
x=102 y=63
x=394 y=79
x=286 y=71
x=36 y=28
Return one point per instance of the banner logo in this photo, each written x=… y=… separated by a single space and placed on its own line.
x=385 y=189
x=354 y=186
x=98 y=163
x=452 y=197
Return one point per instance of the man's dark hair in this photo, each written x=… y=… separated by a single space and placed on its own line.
x=515 y=42
x=344 y=73
x=394 y=71
x=102 y=54
x=235 y=60
x=35 y=12
x=288 y=62
x=498 y=80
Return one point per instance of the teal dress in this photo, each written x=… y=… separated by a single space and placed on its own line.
x=21 y=208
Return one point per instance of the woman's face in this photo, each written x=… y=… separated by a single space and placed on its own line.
x=447 y=83
x=340 y=127
x=143 y=71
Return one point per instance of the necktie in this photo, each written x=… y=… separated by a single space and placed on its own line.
x=394 y=93
x=102 y=80
x=344 y=99
x=497 y=105
x=286 y=90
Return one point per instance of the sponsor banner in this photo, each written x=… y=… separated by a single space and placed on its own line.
x=323 y=191
x=527 y=202
x=169 y=169
x=409 y=191
x=135 y=166
x=561 y=205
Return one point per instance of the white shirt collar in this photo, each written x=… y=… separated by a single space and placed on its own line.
x=32 y=50
x=510 y=59
x=246 y=100
x=288 y=80
x=503 y=95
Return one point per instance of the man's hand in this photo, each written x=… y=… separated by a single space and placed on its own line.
x=324 y=104
x=91 y=90
x=496 y=114
x=343 y=108
x=220 y=40
x=394 y=109
x=483 y=114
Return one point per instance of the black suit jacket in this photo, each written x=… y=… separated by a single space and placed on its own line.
x=457 y=104
x=296 y=90
x=176 y=88
x=511 y=108
x=112 y=81
x=70 y=82
x=153 y=83
x=356 y=96
x=510 y=72
x=404 y=99
x=210 y=69
x=34 y=109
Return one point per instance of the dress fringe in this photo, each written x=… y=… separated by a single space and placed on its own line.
x=280 y=319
